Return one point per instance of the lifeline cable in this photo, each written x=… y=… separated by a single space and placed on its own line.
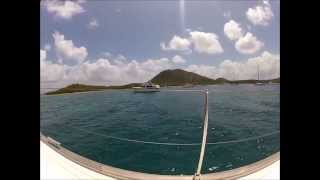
x=177 y=144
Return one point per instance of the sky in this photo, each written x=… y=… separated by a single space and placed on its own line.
x=105 y=42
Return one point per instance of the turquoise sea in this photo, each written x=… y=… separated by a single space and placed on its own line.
x=97 y=124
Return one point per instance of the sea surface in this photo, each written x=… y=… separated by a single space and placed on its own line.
x=101 y=125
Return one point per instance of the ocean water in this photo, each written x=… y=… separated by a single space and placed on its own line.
x=84 y=122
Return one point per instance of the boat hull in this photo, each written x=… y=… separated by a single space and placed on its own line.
x=146 y=90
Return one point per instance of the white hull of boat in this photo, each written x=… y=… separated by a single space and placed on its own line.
x=142 y=90
x=56 y=164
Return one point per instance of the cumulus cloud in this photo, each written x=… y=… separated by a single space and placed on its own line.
x=245 y=44
x=114 y=70
x=66 y=50
x=63 y=9
x=248 y=44
x=50 y=72
x=261 y=14
x=204 y=70
x=176 y=43
x=93 y=24
x=206 y=42
x=111 y=71
x=269 y=65
x=178 y=60
x=233 y=30
x=202 y=42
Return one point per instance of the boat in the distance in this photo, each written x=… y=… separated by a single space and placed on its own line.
x=258 y=83
x=147 y=87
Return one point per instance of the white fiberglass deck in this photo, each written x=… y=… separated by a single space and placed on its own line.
x=268 y=173
x=55 y=166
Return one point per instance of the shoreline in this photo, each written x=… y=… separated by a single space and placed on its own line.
x=79 y=92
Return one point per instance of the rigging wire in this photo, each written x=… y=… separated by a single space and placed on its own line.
x=178 y=144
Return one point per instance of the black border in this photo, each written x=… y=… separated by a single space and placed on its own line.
x=20 y=68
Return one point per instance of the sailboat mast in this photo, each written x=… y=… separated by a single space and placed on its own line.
x=258 y=72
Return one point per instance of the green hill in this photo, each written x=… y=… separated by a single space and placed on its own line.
x=253 y=81
x=277 y=80
x=84 y=88
x=77 y=88
x=179 y=77
x=176 y=77
x=126 y=86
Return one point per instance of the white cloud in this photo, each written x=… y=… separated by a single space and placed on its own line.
x=64 y=9
x=204 y=70
x=50 y=72
x=93 y=24
x=269 y=65
x=178 y=60
x=261 y=14
x=202 y=42
x=106 y=71
x=248 y=44
x=176 y=43
x=245 y=44
x=206 y=42
x=66 y=50
x=114 y=71
x=233 y=30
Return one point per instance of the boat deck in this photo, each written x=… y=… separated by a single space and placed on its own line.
x=55 y=164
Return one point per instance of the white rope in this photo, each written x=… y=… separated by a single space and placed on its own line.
x=178 y=144
x=139 y=141
x=246 y=139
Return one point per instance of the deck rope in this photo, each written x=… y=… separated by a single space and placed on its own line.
x=178 y=144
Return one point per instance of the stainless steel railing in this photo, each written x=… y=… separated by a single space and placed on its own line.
x=204 y=136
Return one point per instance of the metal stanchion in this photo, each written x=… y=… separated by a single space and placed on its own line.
x=204 y=137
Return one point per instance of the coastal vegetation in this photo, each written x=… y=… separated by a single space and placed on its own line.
x=176 y=77
x=84 y=88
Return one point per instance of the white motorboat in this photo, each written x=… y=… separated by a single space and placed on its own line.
x=147 y=87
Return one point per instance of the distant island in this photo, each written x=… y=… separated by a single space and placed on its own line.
x=85 y=88
x=179 y=77
x=176 y=77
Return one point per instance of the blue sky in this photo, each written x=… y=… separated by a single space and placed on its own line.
x=135 y=29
